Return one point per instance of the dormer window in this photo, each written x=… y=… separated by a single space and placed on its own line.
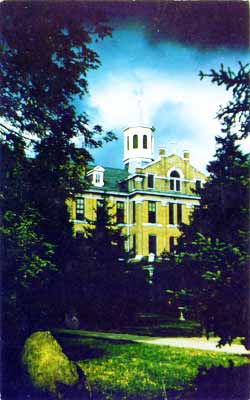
x=97 y=176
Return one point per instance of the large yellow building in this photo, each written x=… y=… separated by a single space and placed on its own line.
x=151 y=197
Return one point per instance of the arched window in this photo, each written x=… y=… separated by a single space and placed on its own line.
x=145 y=141
x=135 y=142
x=175 y=181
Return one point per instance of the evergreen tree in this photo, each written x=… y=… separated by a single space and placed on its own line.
x=212 y=253
x=235 y=115
x=99 y=275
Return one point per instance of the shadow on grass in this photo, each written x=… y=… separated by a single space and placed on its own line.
x=77 y=349
x=218 y=383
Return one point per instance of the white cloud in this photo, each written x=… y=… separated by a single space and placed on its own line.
x=117 y=106
x=172 y=98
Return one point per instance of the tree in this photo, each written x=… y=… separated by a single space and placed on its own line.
x=236 y=113
x=44 y=64
x=96 y=281
x=27 y=257
x=213 y=250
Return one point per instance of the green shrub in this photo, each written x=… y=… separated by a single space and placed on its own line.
x=46 y=363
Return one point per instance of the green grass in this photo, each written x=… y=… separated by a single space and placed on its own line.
x=142 y=371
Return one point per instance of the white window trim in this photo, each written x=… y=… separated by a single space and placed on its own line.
x=179 y=171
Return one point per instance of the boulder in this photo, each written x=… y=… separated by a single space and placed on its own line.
x=46 y=364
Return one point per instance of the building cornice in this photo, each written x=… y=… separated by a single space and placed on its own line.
x=143 y=193
x=164 y=194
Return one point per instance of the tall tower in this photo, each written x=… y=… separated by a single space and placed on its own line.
x=138 y=147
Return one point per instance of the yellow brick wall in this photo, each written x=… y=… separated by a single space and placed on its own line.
x=139 y=193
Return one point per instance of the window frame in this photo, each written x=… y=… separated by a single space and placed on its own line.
x=120 y=212
x=80 y=208
x=99 y=206
x=198 y=183
x=171 y=213
x=179 y=214
x=152 y=212
x=172 y=244
x=149 y=177
x=133 y=212
x=175 y=181
x=98 y=178
x=152 y=242
x=135 y=141
x=134 y=244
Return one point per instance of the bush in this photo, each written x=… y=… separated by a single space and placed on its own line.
x=46 y=363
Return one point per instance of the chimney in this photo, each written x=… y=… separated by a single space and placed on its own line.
x=162 y=151
x=186 y=155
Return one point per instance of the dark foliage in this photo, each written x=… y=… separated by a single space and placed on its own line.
x=235 y=115
x=98 y=282
x=45 y=55
x=213 y=250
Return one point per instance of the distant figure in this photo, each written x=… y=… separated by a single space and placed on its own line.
x=151 y=257
x=71 y=321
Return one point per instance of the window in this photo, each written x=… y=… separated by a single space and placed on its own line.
x=134 y=245
x=171 y=213
x=120 y=212
x=135 y=142
x=152 y=244
x=128 y=142
x=150 y=181
x=171 y=244
x=133 y=212
x=175 y=181
x=80 y=209
x=97 y=178
x=152 y=211
x=197 y=185
x=99 y=207
x=179 y=214
x=145 y=141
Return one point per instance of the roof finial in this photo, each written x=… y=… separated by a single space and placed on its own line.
x=138 y=93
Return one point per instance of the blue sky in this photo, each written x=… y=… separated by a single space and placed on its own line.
x=153 y=80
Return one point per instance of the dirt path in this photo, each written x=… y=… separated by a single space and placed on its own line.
x=199 y=343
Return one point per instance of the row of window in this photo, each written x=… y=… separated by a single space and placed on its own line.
x=175 y=211
x=174 y=184
x=152 y=244
x=135 y=142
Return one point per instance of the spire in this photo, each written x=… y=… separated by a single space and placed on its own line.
x=138 y=93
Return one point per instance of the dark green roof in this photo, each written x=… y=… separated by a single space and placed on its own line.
x=112 y=179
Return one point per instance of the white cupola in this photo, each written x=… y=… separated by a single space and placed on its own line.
x=138 y=147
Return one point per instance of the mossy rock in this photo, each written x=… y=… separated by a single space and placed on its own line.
x=46 y=363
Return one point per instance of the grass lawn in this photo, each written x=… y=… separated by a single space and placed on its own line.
x=118 y=370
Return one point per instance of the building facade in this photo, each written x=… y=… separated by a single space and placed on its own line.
x=150 y=197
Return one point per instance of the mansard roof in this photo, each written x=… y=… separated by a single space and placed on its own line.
x=112 y=179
